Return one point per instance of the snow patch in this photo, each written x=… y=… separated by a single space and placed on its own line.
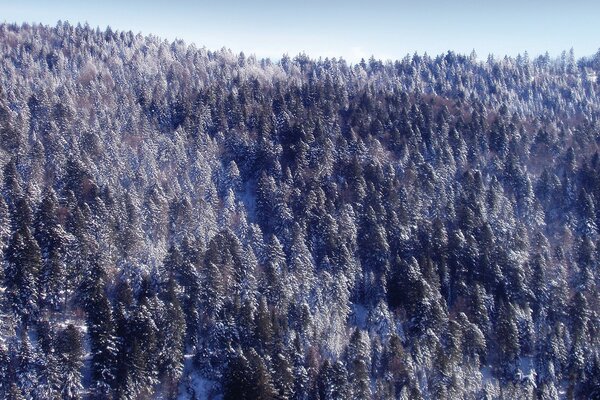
x=358 y=315
x=197 y=387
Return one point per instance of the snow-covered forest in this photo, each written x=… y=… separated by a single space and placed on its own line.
x=184 y=223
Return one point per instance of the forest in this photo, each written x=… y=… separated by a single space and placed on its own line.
x=181 y=223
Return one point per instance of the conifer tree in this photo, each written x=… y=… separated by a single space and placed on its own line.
x=23 y=258
x=69 y=349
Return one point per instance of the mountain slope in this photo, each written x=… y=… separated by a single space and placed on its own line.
x=305 y=229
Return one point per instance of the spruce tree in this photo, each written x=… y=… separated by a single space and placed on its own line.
x=69 y=349
x=23 y=264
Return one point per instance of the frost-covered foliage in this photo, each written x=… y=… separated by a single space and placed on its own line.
x=177 y=222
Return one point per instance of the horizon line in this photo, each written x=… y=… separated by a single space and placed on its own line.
x=352 y=61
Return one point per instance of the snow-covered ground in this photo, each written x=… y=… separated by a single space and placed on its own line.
x=196 y=387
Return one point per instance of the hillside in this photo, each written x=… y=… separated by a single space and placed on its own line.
x=184 y=223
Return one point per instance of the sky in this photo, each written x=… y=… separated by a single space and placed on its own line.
x=350 y=29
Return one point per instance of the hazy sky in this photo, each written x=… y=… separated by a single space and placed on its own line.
x=351 y=29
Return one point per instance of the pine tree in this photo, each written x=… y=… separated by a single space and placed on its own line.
x=24 y=261
x=262 y=387
x=213 y=290
x=47 y=363
x=396 y=363
x=5 y=372
x=103 y=345
x=283 y=374
x=340 y=388
x=373 y=245
x=473 y=340
x=507 y=336
x=578 y=358
x=237 y=378
x=264 y=323
x=69 y=348
x=171 y=335
x=141 y=347
x=5 y=228
x=26 y=372
x=129 y=229
x=325 y=381
x=12 y=189
x=275 y=274
x=358 y=361
x=52 y=240
x=81 y=248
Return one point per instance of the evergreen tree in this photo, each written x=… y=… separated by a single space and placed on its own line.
x=69 y=348
x=359 y=360
x=507 y=336
x=5 y=372
x=23 y=263
x=262 y=382
x=171 y=332
x=236 y=383
x=26 y=372
x=275 y=271
x=5 y=228
x=47 y=363
x=12 y=189
x=52 y=241
x=103 y=345
x=283 y=374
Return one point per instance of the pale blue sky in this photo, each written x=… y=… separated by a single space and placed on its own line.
x=351 y=29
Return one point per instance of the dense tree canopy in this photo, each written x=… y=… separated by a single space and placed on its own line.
x=182 y=222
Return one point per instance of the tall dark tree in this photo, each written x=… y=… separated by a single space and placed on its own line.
x=358 y=361
x=69 y=347
x=52 y=240
x=103 y=346
x=171 y=336
x=23 y=264
x=507 y=335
